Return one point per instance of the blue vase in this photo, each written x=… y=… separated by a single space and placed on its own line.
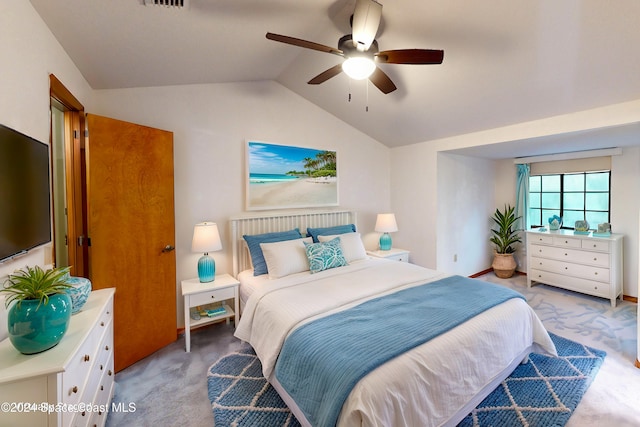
x=34 y=329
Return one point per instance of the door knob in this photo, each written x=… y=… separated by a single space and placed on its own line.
x=168 y=248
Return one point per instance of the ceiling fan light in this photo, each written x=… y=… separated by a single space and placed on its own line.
x=358 y=68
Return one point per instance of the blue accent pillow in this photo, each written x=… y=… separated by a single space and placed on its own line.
x=253 y=242
x=323 y=256
x=328 y=231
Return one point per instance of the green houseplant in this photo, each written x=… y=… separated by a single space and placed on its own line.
x=41 y=309
x=504 y=237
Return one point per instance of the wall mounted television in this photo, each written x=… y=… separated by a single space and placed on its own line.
x=25 y=194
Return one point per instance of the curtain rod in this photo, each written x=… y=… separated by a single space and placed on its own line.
x=569 y=156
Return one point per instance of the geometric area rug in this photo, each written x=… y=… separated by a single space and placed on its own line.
x=543 y=392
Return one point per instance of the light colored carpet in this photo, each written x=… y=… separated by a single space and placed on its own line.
x=170 y=387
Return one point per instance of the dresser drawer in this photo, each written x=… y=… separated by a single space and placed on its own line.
x=598 y=274
x=571 y=255
x=596 y=245
x=77 y=373
x=212 y=296
x=577 y=284
x=566 y=242
x=76 y=378
x=541 y=238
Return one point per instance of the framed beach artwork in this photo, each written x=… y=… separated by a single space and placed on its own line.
x=283 y=176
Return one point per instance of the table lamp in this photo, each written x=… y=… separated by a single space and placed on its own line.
x=386 y=223
x=206 y=238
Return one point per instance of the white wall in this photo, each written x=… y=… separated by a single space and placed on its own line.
x=30 y=53
x=465 y=204
x=625 y=205
x=211 y=124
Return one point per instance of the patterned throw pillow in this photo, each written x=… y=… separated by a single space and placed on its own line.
x=326 y=255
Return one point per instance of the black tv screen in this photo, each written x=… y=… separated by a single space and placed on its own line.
x=25 y=206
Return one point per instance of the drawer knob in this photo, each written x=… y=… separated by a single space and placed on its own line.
x=213 y=297
x=74 y=390
x=83 y=413
x=101 y=388
x=566 y=268
x=86 y=358
x=566 y=241
x=101 y=367
x=106 y=347
x=596 y=273
x=101 y=323
x=595 y=259
x=109 y=373
x=539 y=275
x=566 y=254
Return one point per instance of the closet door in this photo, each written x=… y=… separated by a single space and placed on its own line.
x=131 y=227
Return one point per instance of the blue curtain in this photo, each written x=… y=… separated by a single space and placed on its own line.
x=522 y=196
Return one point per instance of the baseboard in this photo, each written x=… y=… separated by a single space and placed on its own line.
x=630 y=299
x=637 y=364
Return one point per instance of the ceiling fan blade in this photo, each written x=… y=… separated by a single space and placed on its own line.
x=410 y=56
x=326 y=75
x=382 y=81
x=366 y=19
x=304 y=43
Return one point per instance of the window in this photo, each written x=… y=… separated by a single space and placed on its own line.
x=572 y=196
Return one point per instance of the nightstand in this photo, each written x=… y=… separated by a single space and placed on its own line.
x=213 y=294
x=394 y=254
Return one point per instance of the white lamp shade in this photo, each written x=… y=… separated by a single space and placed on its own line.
x=386 y=223
x=206 y=238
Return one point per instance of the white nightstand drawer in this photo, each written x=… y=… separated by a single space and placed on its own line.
x=393 y=254
x=211 y=296
x=399 y=257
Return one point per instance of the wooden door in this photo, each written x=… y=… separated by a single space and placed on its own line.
x=131 y=226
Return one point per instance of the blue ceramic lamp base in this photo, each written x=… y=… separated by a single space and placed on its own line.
x=385 y=242
x=206 y=269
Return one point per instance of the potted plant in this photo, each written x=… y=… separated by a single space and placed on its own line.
x=504 y=237
x=41 y=309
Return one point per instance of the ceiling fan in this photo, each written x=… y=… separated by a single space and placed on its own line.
x=360 y=50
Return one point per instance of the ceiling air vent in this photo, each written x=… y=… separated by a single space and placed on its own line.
x=167 y=3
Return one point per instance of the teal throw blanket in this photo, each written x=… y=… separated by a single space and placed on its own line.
x=321 y=361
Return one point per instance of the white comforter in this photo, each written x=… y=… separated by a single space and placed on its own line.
x=426 y=386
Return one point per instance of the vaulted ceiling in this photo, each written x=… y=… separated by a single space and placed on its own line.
x=505 y=61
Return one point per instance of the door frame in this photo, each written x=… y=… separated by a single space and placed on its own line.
x=75 y=176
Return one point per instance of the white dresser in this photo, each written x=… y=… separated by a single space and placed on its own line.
x=68 y=385
x=578 y=262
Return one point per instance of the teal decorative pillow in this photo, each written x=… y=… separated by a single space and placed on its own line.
x=326 y=255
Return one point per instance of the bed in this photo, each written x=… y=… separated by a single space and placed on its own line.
x=409 y=375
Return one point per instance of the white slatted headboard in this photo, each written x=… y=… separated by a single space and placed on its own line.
x=281 y=221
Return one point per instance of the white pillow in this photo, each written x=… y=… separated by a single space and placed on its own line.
x=352 y=246
x=285 y=257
